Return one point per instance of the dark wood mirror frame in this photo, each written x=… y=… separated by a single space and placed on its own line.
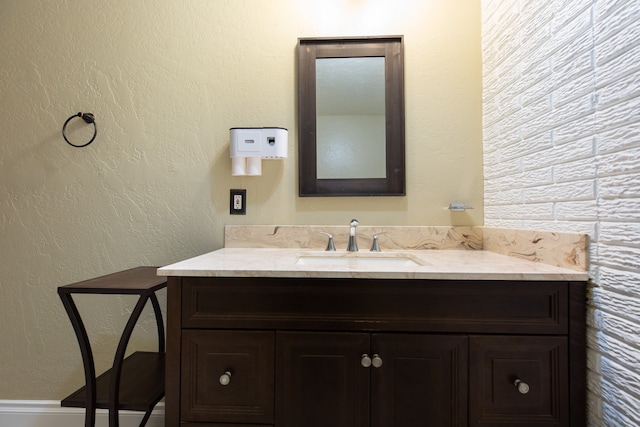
x=389 y=47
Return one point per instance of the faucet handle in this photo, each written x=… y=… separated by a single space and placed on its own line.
x=330 y=245
x=375 y=247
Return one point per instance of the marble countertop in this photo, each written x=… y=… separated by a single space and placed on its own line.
x=390 y=264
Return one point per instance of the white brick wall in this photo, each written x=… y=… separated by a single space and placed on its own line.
x=562 y=152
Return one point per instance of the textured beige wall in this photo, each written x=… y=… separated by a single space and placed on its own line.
x=166 y=80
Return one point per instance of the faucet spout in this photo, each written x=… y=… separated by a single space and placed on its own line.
x=352 y=246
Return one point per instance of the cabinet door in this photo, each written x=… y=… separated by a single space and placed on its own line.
x=518 y=381
x=422 y=381
x=320 y=381
x=245 y=394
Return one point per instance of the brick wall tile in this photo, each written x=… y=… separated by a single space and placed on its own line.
x=540 y=89
x=577 y=210
x=614 y=416
x=567 y=69
x=501 y=182
x=501 y=47
x=561 y=150
x=580 y=108
x=574 y=191
x=535 y=12
x=619 y=90
x=621 y=162
x=536 y=108
x=536 y=72
x=503 y=166
x=619 y=209
x=622 y=233
x=617 y=115
x=506 y=223
x=617 y=25
x=504 y=197
x=625 y=354
x=500 y=81
x=571 y=15
x=626 y=413
x=615 y=41
x=500 y=107
x=625 y=63
x=581 y=127
x=535 y=177
x=620 y=257
x=576 y=170
x=496 y=16
x=621 y=189
x=540 y=211
x=574 y=89
x=584 y=227
x=557 y=154
x=530 y=178
x=516 y=147
x=624 y=281
x=617 y=138
x=604 y=9
x=534 y=36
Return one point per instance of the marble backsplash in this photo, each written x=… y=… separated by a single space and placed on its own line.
x=311 y=237
x=568 y=250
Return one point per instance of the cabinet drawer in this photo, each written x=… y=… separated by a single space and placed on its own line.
x=375 y=304
x=248 y=360
x=496 y=363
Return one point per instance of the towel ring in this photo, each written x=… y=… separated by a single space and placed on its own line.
x=88 y=118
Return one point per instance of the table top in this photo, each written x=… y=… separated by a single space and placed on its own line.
x=138 y=280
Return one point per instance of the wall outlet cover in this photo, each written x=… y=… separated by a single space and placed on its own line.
x=238 y=202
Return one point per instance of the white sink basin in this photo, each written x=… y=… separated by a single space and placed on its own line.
x=359 y=260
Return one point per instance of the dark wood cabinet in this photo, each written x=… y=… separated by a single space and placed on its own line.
x=321 y=381
x=227 y=376
x=378 y=380
x=519 y=381
x=422 y=380
x=374 y=352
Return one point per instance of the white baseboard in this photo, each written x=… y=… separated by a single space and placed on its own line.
x=48 y=413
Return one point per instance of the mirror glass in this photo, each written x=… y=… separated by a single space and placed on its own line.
x=351 y=117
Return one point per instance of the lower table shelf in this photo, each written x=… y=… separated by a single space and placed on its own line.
x=141 y=384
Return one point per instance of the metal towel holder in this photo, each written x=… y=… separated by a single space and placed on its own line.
x=89 y=119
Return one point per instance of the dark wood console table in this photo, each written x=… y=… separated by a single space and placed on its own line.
x=133 y=383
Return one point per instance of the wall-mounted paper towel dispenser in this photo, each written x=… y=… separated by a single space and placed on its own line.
x=250 y=145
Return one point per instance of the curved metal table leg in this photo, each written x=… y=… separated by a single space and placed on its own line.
x=87 y=356
x=147 y=414
x=118 y=360
x=159 y=322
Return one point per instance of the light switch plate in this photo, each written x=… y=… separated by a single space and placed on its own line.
x=238 y=202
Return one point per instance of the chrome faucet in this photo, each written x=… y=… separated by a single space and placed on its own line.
x=375 y=246
x=352 y=246
x=330 y=246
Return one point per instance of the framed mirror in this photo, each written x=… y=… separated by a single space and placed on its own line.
x=351 y=116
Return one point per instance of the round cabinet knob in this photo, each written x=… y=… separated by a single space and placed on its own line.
x=225 y=378
x=376 y=361
x=365 y=361
x=522 y=387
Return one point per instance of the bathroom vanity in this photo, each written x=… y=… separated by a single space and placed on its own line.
x=297 y=337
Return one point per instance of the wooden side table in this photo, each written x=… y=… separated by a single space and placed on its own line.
x=133 y=383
